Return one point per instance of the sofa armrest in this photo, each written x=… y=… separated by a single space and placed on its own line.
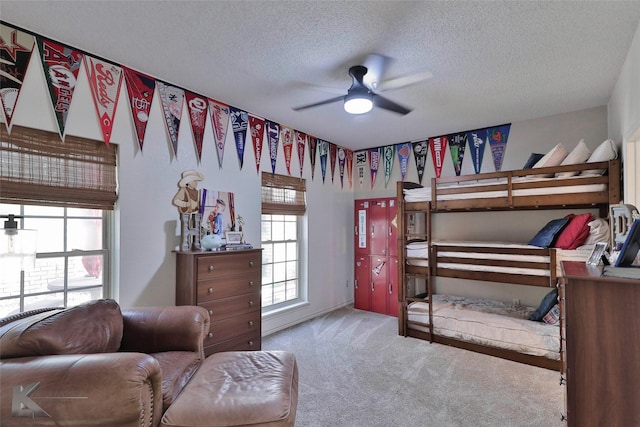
x=160 y=329
x=105 y=389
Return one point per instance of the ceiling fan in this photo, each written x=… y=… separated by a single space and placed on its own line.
x=365 y=89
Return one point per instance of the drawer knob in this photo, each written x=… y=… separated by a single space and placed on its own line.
x=210 y=268
x=250 y=303
x=250 y=282
x=210 y=312
x=210 y=290
x=250 y=322
x=250 y=343
x=210 y=335
x=250 y=263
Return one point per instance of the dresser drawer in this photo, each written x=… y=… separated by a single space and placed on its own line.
x=220 y=266
x=228 y=328
x=233 y=306
x=231 y=286
x=246 y=342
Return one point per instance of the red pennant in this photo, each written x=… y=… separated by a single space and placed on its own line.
x=197 y=107
x=438 y=147
x=105 y=81
x=287 y=145
x=256 y=128
x=301 y=140
x=220 y=120
x=140 y=88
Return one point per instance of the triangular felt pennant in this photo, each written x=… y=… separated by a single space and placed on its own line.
x=350 y=167
x=239 y=124
x=438 y=146
x=342 y=157
x=197 y=108
x=256 y=128
x=323 y=150
x=404 y=153
x=105 y=80
x=172 y=98
x=140 y=88
x=61 y=67
x=420 y=150
x=374 y=164
x=388 y=155
x=361 y=164
x=220 y=121
x=16 y=48
x=273 y=136
x=477 y=141
x=457 y=145
x=313 y=143
x=332 y=159
x=287 y=145
x=301 y=141
x=498 y=137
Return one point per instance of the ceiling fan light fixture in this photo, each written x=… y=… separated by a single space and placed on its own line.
x=358 y=102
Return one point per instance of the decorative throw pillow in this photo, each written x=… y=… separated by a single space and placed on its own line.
x=579 y=154
x=606 y=151
x=553 y=158
x=546 y=304
x=553 y=316
x=598 y=232
x=545 y=237
x=575 y=232
x=533 y=159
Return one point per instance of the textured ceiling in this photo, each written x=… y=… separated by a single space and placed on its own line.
x=492 y=62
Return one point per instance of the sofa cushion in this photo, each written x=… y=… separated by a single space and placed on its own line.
x=93 y=327
x=177 y=369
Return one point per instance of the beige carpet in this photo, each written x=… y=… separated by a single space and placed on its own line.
x=356 y=371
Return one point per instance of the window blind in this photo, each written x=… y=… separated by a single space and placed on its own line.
x=283 y=195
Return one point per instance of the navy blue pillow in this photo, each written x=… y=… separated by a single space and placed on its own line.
x=549 y=232
x=533 y=159
x=546 y=304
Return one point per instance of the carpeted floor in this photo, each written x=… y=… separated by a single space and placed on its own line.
x=355 y=370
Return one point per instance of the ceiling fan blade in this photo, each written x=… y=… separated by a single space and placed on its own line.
x=315 y=87
x=316 y=104
x=404 y=81
x=376 y=67
x=382 y=102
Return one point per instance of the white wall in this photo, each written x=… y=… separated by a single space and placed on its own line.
x=147 y=224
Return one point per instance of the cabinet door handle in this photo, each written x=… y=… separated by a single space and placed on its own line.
x=373 y=230
x=373 y=287
x=210 y=290
x=355 y=283
x=210 y=268
x=390 y=288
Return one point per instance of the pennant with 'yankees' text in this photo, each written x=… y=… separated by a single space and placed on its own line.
x=16 y=48
x=256 y=128
x=105 y=80
x=61 y=67
x=197 y=108
x=332 y=159
x=323 y=150
x=273 y=137
x=388 y=155
x=498 y=137
x=313 y=143
x=361 y=164
x=420 y=150
x=374 y=164
x=438 y=146
x=477 y=141
x=301 y=141
x=457 y=145
x=342 y=158
x=239 y=125
x=287 y=145
x=404 y=153
x=172 y=98
x=219 y=113
x=140 y=88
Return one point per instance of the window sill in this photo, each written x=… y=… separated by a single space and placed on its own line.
x=284 y=310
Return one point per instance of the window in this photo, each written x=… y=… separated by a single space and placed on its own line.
x=283 y=209
x=66 y=191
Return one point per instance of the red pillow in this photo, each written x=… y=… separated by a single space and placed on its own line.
x=575 y=233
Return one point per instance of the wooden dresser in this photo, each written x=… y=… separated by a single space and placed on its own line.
x=602 y=363
x=227 y=284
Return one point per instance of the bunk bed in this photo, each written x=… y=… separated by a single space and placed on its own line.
x=505 y=330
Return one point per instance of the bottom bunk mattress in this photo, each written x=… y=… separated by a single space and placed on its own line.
x=487 y=322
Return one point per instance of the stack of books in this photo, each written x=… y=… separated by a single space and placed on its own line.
x=236 y=247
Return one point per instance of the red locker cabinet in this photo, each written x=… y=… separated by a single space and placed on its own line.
x=376 y=239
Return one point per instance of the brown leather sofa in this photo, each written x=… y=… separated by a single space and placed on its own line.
x=98 y=365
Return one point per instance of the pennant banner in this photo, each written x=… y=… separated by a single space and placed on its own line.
x=104 y=80
x=16 y=48
x=197 y=108
x=404 y=153
x=374 y=164
x=220 y=114
x=256 y=128
x=273 y=136
x=361 y=164
x=388 y=154
x=420 y=150
x=313 y=143
x=457 y=145
x=323 y=150
x=477 y=141
x=350 y=167
x=301 y=140
x=342 y=157
x=287 y=145
x=140 y=88
x=172 y=98
x=498 y=137
x=61 y=67
x=438 y=148
x=332 y=159
x=239 y=125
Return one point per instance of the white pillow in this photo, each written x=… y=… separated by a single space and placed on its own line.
x=552 y=158
x=579 y=154
x=606 y=151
